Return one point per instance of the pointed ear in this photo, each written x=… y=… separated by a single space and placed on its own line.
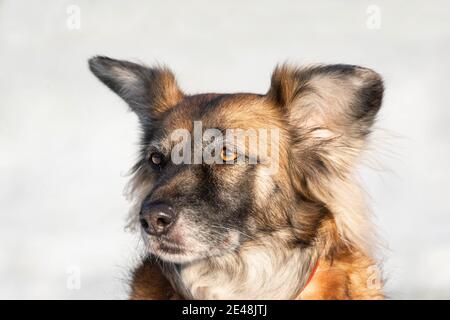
x=330 y=110
x=339 y=97
x=148 y=91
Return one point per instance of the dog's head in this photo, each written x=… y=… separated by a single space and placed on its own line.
x=218 y=170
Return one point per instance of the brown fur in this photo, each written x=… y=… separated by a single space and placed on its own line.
x=148 y=283
x=312 y=206
x=342 y=274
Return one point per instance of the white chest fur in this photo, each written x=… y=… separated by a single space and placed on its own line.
x=256 y=272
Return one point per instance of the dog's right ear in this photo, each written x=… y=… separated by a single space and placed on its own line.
x=148 y=91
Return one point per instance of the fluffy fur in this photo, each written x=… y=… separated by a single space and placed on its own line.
x=244 y=233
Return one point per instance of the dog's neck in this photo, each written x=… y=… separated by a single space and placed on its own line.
x=260 y=270
x=268 y=268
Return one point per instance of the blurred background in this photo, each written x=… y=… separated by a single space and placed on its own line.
x=66 y=142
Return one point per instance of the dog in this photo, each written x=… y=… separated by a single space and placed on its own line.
x=245 y=228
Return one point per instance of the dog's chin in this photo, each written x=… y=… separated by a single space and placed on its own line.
x=173 y=253
x=169 y=251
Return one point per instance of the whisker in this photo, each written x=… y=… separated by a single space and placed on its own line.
x=233 y=230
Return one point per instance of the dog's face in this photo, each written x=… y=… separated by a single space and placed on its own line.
x=207 y=205
x=219 y=170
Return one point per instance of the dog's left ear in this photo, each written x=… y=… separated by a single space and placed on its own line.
x=329 y=110
x=334 y=97
x=148 y=91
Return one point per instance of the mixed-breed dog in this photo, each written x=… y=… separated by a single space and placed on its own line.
x=273 y=213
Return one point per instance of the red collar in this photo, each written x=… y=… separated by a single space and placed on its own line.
x=311 y=275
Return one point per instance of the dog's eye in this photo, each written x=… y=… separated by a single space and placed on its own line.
x=228 y=154
x=156 y=159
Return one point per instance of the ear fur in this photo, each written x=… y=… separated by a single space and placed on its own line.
x=334 y=96
x=329 y=112
x=148 y=91
x=329 y=109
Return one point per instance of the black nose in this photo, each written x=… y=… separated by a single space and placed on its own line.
x=157 y=219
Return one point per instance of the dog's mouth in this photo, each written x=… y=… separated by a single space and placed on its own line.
x=188 y=250
x=172 y=251
x=169 y=247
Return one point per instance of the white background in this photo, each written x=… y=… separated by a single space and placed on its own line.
x=66 y=142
